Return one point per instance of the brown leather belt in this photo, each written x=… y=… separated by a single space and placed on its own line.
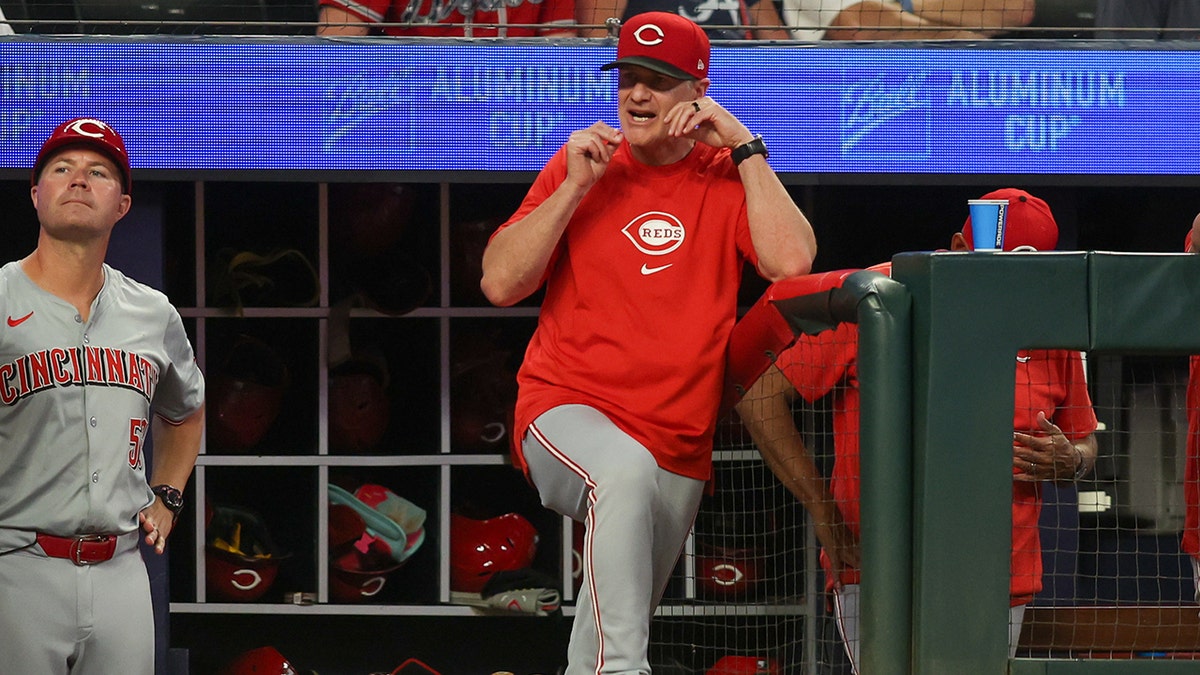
x=86 y=549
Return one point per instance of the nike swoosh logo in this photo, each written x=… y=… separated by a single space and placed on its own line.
x=651 y=270
x=1023 y=359
x=13 y=323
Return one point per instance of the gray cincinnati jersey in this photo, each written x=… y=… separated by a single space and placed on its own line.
x=75 y=404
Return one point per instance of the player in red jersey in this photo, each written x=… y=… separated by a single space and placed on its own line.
x=1053 y=433
x=640 y=236
x=1191 y=481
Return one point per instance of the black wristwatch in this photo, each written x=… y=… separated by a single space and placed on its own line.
x=744 y=151
x=172 y=497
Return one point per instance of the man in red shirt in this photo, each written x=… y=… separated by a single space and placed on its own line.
x=1052 y=440
x=640 y=236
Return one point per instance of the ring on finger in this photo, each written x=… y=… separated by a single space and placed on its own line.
x=1032 y=467
x=696 y=105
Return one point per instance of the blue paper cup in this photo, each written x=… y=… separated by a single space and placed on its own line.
x=987 y=223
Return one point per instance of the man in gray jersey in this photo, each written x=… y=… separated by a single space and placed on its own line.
x=85 y=355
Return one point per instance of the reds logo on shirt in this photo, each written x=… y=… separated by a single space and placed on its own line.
x=655 y=232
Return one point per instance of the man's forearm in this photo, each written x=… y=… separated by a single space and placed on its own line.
x=516 y=258
x=335 y=21
x=783 y=238
x=886 y=21
x=176 y=447
x=990 y=15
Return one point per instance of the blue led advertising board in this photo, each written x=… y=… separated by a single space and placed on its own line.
x=310 y=104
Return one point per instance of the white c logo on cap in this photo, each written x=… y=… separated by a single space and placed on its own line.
x=77 y=127
x=657 y=39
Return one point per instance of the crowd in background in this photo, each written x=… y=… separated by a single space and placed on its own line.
x=802 y=20
x=806 y=20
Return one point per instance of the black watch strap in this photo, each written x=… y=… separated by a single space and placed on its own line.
x=746 y=150
x=172 y=497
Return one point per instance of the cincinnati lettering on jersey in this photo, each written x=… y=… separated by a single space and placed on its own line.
x=76 y=367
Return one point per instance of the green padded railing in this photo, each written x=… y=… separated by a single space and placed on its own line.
x=970 y=314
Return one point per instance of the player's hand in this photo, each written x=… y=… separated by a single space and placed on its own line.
x=705 y=121
x=1051 y=456
x=589 y=151
x=839 y=542
x=156 y=521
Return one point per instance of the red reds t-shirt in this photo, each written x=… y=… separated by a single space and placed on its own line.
x=641 y=295
x=1050 y=381
x=561 y=13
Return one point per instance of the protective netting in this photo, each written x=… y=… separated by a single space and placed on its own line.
x=1098 y=562
x=1118 y=582
x=751 y=595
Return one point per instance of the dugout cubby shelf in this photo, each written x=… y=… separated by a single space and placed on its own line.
x=351 y=316
x=346 y=342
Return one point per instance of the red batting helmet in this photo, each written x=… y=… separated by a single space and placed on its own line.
x=733 y=535
x=744 y=665
x=90 y=132
x=483 y=394
x=727 y=573
x=357 y=572
x=480 y=548
x=370 y=218
x=369 y=254
x=352 y=580
x=372 y=533
x=359 y=409
x=245 y=394
x=260 y=661
x=241 y=560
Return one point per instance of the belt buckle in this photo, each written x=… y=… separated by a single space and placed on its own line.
x=77 y=551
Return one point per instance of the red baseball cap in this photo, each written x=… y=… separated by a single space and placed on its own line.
x=665 y=43
x=90 y=132
x=1028 y=225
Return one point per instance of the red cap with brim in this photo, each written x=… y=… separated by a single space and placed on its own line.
x=665 y=43
x=87 y=132
x=1028 y=225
